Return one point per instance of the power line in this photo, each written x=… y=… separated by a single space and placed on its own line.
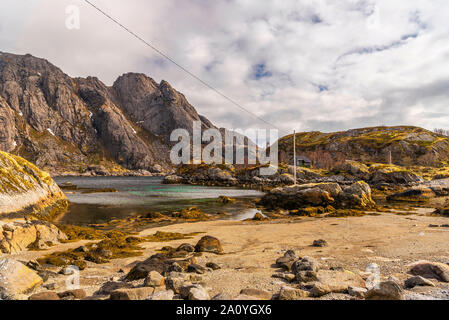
x=180 y=66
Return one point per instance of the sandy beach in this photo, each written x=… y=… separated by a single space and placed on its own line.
x=251 y=248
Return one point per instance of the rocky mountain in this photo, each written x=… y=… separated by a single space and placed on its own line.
x=408 y=146
x=66 y=124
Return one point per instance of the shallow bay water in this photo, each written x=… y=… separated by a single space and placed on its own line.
x=140 y=195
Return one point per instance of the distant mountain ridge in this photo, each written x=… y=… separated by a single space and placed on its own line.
x=73 y=124
x=80 y=125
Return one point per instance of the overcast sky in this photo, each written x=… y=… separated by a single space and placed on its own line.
x=307 y=65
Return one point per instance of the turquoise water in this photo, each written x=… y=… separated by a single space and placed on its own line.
x=140 y=195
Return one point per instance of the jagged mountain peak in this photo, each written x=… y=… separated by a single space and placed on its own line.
x=69 y=124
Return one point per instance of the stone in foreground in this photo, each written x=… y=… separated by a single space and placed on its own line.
x=289 y=293
x=417 y=281
x=209 y=244
x=256 y=293
x=132 y=293
x=387 y=290
x=17 y=279
x=431 y=270
x=44 y=296
x=154 y=279
x=162 y=295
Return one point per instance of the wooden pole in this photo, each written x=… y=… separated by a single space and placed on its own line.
x=389 y=157
x=294 y=154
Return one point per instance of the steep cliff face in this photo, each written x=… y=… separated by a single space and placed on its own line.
x=408 y=146
x=158 y=107
x=24 y=187
x=66 y=124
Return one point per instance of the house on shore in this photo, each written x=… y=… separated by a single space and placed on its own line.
x=301 y=161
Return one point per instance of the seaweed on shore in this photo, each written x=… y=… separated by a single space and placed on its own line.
x=111 y=245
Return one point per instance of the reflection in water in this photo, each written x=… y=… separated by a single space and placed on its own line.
x=140 y=195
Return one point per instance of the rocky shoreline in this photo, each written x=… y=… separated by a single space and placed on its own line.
x=354 y=232
x=303 y=258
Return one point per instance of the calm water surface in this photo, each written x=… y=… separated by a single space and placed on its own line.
x=140 y=195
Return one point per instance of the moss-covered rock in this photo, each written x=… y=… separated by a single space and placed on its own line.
x=24 y=187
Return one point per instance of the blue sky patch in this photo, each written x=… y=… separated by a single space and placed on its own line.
x=260 y=71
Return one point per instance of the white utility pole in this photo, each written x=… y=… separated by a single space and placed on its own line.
x=294 y=154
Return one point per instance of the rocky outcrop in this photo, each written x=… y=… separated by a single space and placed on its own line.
x=357 y=195
x=19 y=235
x=24 y=187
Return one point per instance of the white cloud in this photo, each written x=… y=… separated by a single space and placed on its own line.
x=321 y=65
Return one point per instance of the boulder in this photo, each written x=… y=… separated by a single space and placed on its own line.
x=132 y=293
x=187 y=247
x=353 y=168
x=209 y=244
x=337 y=281
x=175 y=267
x=196 y=268
x=358 y=195
x=44 y=296
x=213 y=266
x=417 y=281
x=386 y=290
x=198 y=293
x=173 y=179
x=154 y=279
x=287 y=260
x=287 y=178
x=17 y=279
x=287 y=276
x=320 y=289
x=416 y=194
x=394 y=176
x=315 y=197
x=305 y=264
x=296 y=196
x=162 y=295
x=18 y=235
x=256 y=293
x=319 y=243
x=111 y=286
x=357 y=292
x=319 y=195
x=225 y=200
x=175 y=281
x=75 y=294
x=306 y=276
x=158 y=263
x=432 y=270
x=194 y=292
x=217 y=174
x=289 y=293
